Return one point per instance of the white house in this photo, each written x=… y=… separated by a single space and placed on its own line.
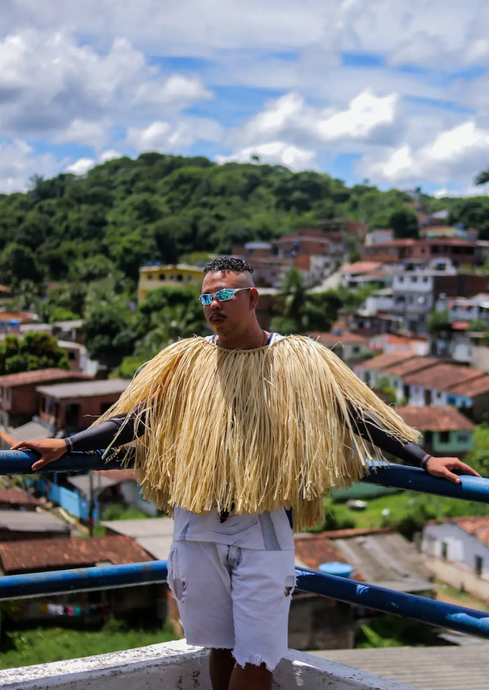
x=457 y=552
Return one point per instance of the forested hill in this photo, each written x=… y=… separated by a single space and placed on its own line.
x=159 y=208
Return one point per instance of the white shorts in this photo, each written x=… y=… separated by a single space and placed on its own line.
x=233 y=598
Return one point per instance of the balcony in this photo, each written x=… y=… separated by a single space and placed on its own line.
x=175 y=664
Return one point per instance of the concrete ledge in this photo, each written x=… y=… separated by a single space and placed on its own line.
x=176 y=665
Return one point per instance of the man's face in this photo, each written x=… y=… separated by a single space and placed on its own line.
x=234 y=315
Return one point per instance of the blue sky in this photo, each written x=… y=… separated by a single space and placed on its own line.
x=383 y=90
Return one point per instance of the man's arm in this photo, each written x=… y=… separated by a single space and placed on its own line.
x=124 y=427
x=409 y=451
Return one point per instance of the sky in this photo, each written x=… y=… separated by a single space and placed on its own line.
x=389 y=91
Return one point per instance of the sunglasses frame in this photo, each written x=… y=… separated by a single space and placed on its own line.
x=216 y=295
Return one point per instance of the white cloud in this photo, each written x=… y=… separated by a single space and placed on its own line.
x=177 y=89
x=83 y=132
x=19 y=162
x=275 y=153
x=177 y=136
x=48 y=82
x=290 y=118
x=454 y=154
x=81 y=166
x=109 y=155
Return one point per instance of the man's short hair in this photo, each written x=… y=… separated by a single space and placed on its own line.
x=227 y=263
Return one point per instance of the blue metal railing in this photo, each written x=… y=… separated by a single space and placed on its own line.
x=381 y=599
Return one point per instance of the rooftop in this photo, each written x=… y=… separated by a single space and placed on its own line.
x=333 y=338
x=27 y=378
x=27 y=432
x=51 y=554
x=85 y=389
x=68 y=325
x=388 y=360
x=154 y=535
x=18 y=497
x=18 y=521
x=100 y=480
x=435 y=418
x=443 y=376
x=410 y=366
x=471 y=388
x=426 y=668
x=179 y=267
x=362 y=267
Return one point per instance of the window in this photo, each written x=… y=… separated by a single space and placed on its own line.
x=479 y=565
x=189 y=277
x=71 y=355
x=428 y=437
x=462 y=438
x=445 y=437
x=425 y=279
x=104 y=407
x=179 y=277
x=401 y=279
x=414 y=279
x=150 y=277
x=405 y=391
x=162 y=276
x=444 y=550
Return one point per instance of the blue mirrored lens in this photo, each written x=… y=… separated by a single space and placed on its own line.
x=206 y=299
x=224 y=294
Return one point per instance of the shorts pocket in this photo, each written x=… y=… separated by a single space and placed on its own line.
x=176 y=583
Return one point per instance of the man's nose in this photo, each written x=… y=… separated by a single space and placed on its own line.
x=215 y=304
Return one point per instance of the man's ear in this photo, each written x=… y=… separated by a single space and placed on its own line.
x=253 y=298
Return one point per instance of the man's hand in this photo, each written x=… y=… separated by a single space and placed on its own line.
x=50 y=449
x=446 y=468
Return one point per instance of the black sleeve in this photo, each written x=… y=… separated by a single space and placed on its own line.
x=102 y=435
x=404 y=450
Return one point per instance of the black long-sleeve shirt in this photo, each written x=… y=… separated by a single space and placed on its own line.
x=102 y=436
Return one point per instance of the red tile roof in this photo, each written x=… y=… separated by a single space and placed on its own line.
x=410 y=366
x=388 y=360
x=435 y=418
x=460 y=325
x=333 y=338
x=314 y=549
x=361 y=267
x=18 y=497
x=40 y=376
x=54 y=554
x=471 y=388
x=443 y=376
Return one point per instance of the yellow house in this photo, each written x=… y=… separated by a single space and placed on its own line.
x=151 y=277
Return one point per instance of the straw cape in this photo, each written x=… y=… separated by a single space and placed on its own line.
x=255 y=430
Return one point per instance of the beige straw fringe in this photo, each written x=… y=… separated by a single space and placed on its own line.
x=254 y=429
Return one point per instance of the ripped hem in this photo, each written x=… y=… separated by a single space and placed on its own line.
x=255 y=660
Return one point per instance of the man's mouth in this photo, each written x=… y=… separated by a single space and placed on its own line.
x=217 y=317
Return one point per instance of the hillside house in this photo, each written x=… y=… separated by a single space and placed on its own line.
x=138 y=605
x=349 y=347
x=154 y=275
x=19 y=397
x=74 y=406
x=18 y=499
x=446 y=431
x=456 y=551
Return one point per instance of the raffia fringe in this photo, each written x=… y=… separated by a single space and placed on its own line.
x=254 y=429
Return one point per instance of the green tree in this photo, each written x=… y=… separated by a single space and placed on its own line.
x=109 y=334
x=18 y=263
x=404 y=224
x=33 y=351
x=439 y=321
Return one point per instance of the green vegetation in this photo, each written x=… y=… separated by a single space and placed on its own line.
x=33 y=351
x=44 y=645
x=408 y=512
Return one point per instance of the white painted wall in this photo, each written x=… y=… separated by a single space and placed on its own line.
x=462 y=548
x=416 y=396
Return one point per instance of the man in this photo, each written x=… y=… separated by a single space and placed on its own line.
x=231 y=570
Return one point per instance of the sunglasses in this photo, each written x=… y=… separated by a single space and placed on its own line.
x=221 y=295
